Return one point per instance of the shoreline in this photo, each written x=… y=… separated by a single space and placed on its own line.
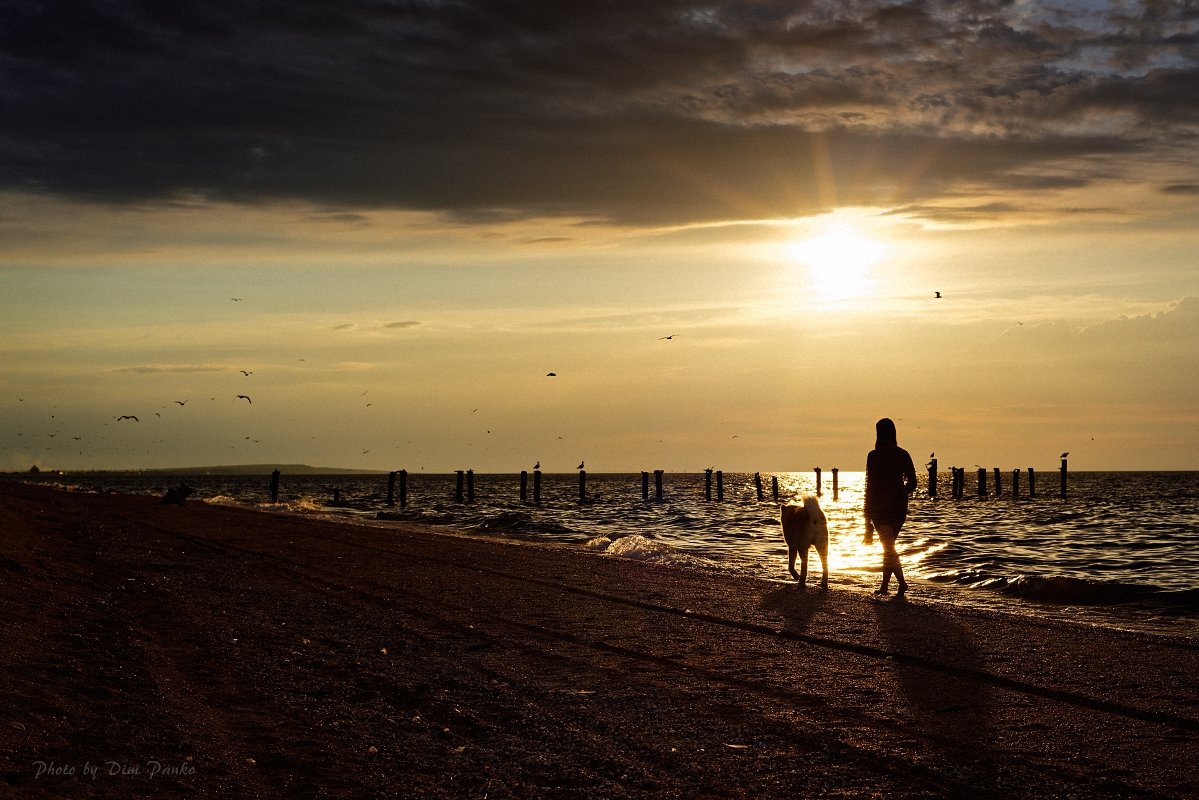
x=277 y=656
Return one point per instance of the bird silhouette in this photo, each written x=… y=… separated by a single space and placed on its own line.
x=181 y=402
x=1063 y=455
x=247 y=374
x=551 y=374
x=243 y=397
x=128 y=416
x=580 y=465
x=932 y=455
x=671 y=336
x=937 y=294
x=537 y=465
x=235 y=299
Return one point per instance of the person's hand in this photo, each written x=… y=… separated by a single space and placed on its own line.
x=868 y=536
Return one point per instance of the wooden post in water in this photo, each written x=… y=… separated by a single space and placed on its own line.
x=403 y=488
x=644 y=485
x=658 y=473
x=1016 y=484
x=582 y=486
x=719 y=485
x=391 y=488
x=1063 y=477
x=537 y=487
x=470 y=485
x=932 y=478
x=758 y=486
x=998 y=483
x=275 y=485
x=524 y=485
x=458 y=485
x=982 y=482
x=1032 y=482
x=708 y=485
x=774 y=487
x=337 y=497
x=819 y=490
x=836 y=484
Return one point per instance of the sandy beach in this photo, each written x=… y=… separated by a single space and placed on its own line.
x=208 y=651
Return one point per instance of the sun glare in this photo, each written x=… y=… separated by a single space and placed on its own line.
x=838 y=261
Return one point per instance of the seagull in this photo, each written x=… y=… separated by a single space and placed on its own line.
x=932 y=455
x=537 y=465
x=128 y=416
x=1063 y=455
x=580 y=465
x=181 y=402
x=551 y=374
x=937 y=295
x=671 y=336
x=247 y=374
x=243 y=397
x=235 y=299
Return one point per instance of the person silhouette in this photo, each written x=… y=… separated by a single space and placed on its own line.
x=890 y=480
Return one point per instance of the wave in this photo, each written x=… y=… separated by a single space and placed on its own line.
x=642 y=548
x=1068 y=590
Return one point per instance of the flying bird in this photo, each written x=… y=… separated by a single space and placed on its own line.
x=243 y=397
x=671 y=336
x=181 y=402
x=937 y=295
x=551 y=374
x=247 y=374
x=235 y=299
x=128 y=416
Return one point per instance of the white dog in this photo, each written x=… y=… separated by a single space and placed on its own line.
x=805 y=526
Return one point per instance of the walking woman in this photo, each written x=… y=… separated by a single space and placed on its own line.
x=890 y=479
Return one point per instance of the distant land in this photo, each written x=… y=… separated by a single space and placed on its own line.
x=253 y=469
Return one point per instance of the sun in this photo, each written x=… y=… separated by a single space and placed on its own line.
x=837 y=261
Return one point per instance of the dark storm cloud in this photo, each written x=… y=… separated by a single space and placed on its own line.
x=627 y=111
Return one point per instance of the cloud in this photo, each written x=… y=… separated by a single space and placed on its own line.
x=404 y=324
x=631 y=112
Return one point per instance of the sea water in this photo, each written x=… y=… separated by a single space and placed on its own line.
x=1120 y=550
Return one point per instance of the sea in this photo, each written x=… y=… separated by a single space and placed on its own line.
x=1119 y=550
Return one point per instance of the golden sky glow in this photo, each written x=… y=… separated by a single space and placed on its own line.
x=724 y=235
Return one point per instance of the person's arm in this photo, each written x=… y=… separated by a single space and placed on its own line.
x=868 y=536
x=909 y=474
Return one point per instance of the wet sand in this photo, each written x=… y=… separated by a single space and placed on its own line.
x=202 y=651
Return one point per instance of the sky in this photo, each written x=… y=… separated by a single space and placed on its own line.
x=363 y=234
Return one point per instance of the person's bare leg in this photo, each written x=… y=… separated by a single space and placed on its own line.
x=886 y=535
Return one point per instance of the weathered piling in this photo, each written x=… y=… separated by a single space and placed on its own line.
x=275 y=484
x=337 y=497
x=998 y=483
x=458 y=477
x=819 y=491
x=957 y=482
x=982 y=482
x=708 y=485
x=470 y=485
x=932 y=478
x=1063 y=477
x=758 y=486
x=403 y=488
x=1032 y=482
x=644 y=485
x=836 y=484
x=391 y=488
x=524 y=485
x=1016 y=484
x=719 y=485
x=537 y=487
x=774 y=487
x=582 y=486
x=658 y=483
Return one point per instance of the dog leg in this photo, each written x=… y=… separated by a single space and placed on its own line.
x=824 y=567
x=803 y=570
x=791 y=562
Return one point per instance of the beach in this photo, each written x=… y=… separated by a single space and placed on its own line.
x=210 y=651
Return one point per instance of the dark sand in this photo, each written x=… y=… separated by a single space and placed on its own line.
x=258 y=655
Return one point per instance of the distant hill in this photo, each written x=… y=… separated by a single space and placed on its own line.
x=262 y=469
